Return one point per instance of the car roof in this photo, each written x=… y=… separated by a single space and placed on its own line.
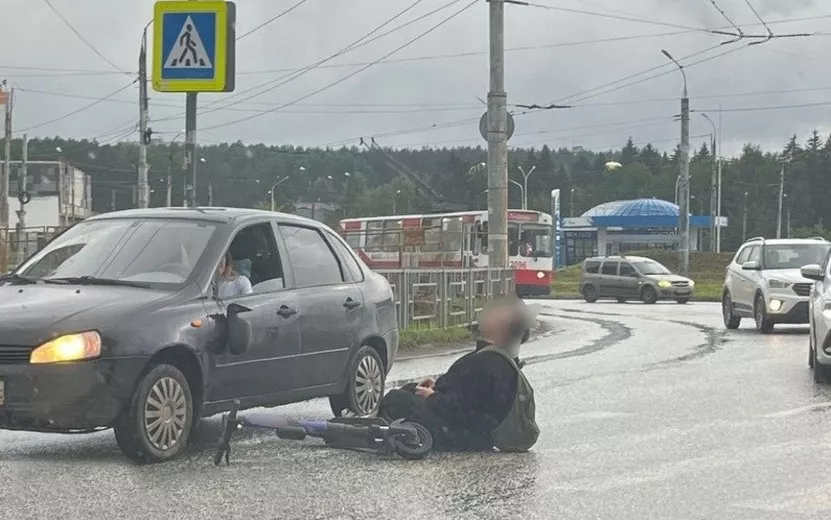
x=618 y=257
x=209 y=214
x=787 y=241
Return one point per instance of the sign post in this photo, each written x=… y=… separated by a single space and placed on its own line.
x=556 y=258
x=194 y=46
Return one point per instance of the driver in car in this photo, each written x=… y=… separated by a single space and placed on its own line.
x=230 y=283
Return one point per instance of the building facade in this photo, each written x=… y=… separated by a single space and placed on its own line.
x=625 y=226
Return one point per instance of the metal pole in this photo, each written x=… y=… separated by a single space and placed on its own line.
x=112 y=200
x=22 y=181
x=497 y=142
x=210 y=192
x=788 y=219
x=7 y=165
x=143 y=187
x=521 y=191
x=781 y=193
x=169 y=195
x=744 y=218
x=190 y=142
x=714 y=184
x=718 y=203
x=272 y=199
x=684 y=180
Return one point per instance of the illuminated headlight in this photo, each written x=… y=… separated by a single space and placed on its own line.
x=73 y=347
x=663 y=284
x=540 y=275
x=775 y=305
x=692 y=284
x=773 y=283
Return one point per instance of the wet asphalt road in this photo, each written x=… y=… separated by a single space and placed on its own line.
x=645 y=411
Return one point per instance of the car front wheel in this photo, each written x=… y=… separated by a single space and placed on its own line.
x=731 y=321
x=763 y=323
x=649 y=295
x=364 y=388
x=158 y=420
x=590 y=294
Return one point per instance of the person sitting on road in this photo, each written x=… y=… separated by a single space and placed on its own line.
x=229 y=282
x=483 y=401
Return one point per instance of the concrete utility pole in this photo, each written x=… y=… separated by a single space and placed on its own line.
x=718 y=189
x=684 y=179
x=497 y=142
x=525 y=185
x=713 y=186
x=190 y=142
x=781 y=196
x=744 y=219
x=143 y=185
x=8 y=98
x=21 y=184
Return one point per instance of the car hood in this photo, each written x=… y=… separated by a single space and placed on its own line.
x=668 y=277
x=786 y=275
x=30 y=314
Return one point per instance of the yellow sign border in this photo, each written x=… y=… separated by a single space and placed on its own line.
x=220 y=79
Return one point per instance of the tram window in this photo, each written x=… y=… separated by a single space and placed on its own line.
x=451 y=236
x=392 y=236
x=484 y=237
x=375 y=236
x=513 y=239
x=353 y=238
x=432 y=235
x=476 y=238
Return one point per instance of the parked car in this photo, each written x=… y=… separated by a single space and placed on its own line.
x=118 y=323
x=819 y=335
x=764 y=282
x=632 y=278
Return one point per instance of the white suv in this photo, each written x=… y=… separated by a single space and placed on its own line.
x=764 y=281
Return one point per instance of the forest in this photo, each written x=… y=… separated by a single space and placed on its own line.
x=367 y=181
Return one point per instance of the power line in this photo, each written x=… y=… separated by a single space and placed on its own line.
x=341 y=80
x=81 y=37
x=272 y=19
x=618 y=17
x=724 y=15
x=83 y=108
x=770 y=33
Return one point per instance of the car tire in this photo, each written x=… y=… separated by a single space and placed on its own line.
x=364 y=388
x=621 y=300
x=682 y=301
x=811 y=353
x=822 y=373
x=162 y=392
x=649 y=295
x=731 y=321
x=763 y=323
x=590 y=293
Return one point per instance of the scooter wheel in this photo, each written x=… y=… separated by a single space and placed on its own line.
x=418 y=450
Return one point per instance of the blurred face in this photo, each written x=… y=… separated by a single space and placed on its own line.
x=495 y=324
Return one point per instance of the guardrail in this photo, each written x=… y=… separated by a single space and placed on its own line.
x=445 y=298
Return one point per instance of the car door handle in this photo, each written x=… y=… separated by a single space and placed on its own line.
x=286 y=312
x=351 y=304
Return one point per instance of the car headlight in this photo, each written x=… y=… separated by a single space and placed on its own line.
x=773 y=283
x=72 y=347
x=663 y=284
x=540 y=275
x=692 y=283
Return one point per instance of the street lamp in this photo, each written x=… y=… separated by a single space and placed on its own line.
x=571 y=210
x=684 y=178
x=525 y=185
x=395 y=202
x=169 y=197
x=744 y=219
x=274 y=187
x=714 y=189
x=521 y=190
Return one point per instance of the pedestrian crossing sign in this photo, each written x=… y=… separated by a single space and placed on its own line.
x=193 y=46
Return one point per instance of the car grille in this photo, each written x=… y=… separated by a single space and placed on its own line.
x=680 y=284
x=802 y=289
x=14 y=354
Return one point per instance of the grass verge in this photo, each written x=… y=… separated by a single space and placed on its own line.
x=416 y=338
x=706 y=270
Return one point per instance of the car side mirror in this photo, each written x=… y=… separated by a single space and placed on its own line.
x=752 y=265
x=812 y=272
x=239 y=329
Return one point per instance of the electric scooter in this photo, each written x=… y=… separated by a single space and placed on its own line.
x=409 y=440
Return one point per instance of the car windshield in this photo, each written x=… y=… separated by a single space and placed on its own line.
x=794 y=256
x=152 y=251
x=648 y=267
x=535 y=240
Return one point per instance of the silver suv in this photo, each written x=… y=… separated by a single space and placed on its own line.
x=764 y=281
x=819 y=336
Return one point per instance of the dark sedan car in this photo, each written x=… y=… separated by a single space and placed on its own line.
x=123 y=322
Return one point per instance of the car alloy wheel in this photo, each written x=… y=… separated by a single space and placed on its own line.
x=165 y=412
x=364 y=387
x=590 y=294
x=763 y=324
x=731 y=321
x=649 y=295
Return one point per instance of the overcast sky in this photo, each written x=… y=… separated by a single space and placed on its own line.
x=396 y=101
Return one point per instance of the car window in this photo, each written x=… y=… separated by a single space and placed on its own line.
x=255 y=256
x=357 y=274
x=794 y=256
x=627 y=270
x=592 y=266
x=312 y=260
x=156 y=251
x=742 y=256
x=754 y=254
x=610 y=267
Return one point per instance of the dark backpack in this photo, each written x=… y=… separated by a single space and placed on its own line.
x=518 y=432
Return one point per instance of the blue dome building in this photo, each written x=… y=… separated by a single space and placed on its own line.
x=623 y=226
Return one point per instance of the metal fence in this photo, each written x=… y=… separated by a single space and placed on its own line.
x=18 y=244
x=445 y=298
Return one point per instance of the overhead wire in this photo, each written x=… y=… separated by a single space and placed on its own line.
x=83 y=108
x=352 y=74
x=271 y=20
x=83 y=39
